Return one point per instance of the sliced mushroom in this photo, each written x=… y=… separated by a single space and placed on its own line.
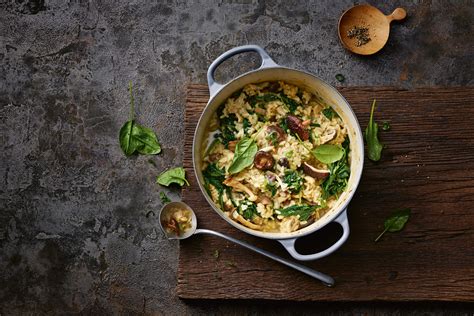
x=239 y=187
x=245 y=222
x=313 y=172
x=328 y=135
x=281 y=135
x=296 y=126
x=263 y=160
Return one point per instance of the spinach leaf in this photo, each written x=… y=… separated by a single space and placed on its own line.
x=294 y=180
x=329 y=113
x=245 y=151
x=328 y=153
x=374 y=147
x=164 y=198
x=303 y=211
x=214 y=176
x=176 y=175
x=247 y=209
x=136 y=138
x=272 y=187
x=246 y=124
x=268 y=97
x=272 y=138
x=284 y=125
x=292 y=104
x=339 y=173
x=395 y=222
x=227 y=127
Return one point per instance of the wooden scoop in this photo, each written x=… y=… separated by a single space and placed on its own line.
x=377 y=23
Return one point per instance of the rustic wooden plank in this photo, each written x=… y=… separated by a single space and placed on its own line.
x=428 y=165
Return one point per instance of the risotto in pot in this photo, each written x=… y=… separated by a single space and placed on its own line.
x=277 y=157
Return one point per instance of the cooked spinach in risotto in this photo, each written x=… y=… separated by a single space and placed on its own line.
x=277 y=157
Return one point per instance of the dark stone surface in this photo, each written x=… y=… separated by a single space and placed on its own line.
x=76 y=231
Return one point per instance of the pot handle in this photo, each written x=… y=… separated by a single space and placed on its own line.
x=289 y=244
x=214 y=87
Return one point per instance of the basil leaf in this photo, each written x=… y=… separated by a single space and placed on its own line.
x=328 y=153
x=245 y=151
x=136 y=138
x=164 y=198
x=374 y=147
x=303 y=211
x=395 y=222
x=175 y=175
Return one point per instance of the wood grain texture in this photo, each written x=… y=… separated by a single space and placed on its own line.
x=428 y=165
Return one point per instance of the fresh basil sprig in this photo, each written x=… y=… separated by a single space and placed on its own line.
x=136 y=138
x=176 y=175
x=374 y=147
x=245 y=151
x=395 y=222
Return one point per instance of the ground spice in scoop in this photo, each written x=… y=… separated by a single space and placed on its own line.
x=360 y=33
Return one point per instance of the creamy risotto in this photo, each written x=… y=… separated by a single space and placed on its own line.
x=277 y=157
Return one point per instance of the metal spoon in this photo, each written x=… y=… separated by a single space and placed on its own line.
x=172 y=207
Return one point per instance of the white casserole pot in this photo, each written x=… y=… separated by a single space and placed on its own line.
x=270 y=71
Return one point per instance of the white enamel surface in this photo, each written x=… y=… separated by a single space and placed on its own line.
x=312 y=84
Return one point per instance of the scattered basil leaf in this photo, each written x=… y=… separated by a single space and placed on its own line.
x=216 y=254
x=303 y=211
x=395 y=222
x=176 y=175
x=164 y=198
x=245 y=151
x=136 y=138
x=374 y=147
x=386 y=126
x=328 y=153
x=340 y=78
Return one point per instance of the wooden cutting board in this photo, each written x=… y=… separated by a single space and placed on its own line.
x=427 y=165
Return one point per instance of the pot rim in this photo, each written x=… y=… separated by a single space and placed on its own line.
x=332 y=215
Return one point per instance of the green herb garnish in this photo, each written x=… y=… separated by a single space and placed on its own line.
x=395 y=222
x=245 y=151
x=136 y=138
x=340 y=78
x=216 y=254
x=164 y=198
x=302 y=211
x=176 y=175
x=374 y=147
x=386 y=126
x=272 y=187
x=294 y=180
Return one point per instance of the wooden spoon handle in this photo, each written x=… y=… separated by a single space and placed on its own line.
x=397 y=14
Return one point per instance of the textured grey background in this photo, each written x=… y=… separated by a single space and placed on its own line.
x=76 y=231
